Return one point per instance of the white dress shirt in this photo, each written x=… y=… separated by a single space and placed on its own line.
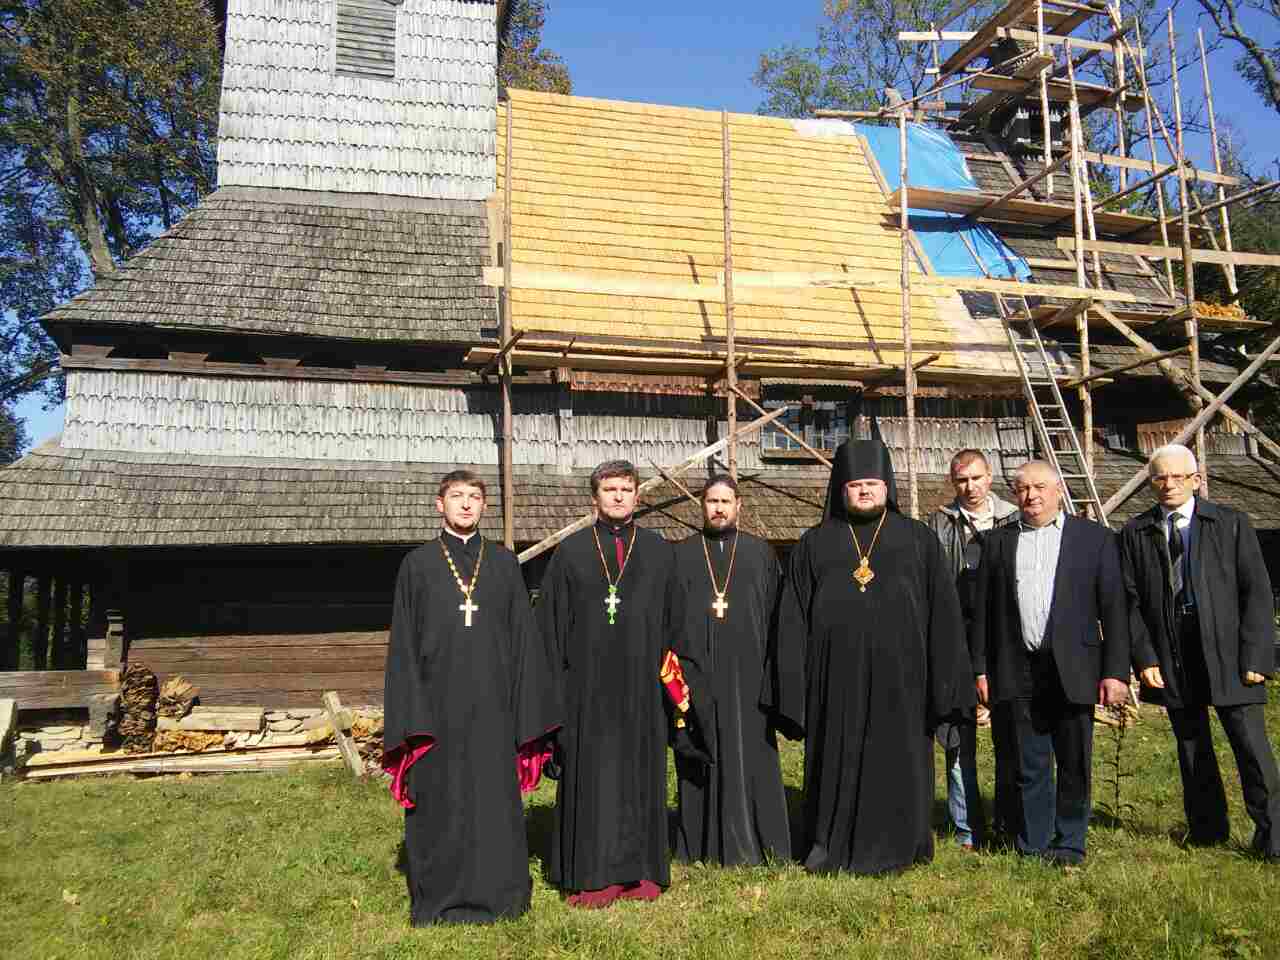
x=1036 y=568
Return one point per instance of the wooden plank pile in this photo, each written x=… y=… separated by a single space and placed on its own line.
x=225 y=739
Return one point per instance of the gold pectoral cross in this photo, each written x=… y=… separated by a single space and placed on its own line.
x=863 y=575
x=467 y=608
x=720 y=606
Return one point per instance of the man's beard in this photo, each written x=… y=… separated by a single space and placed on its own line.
x=867 y=513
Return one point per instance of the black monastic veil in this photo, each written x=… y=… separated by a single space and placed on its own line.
x=869 y=674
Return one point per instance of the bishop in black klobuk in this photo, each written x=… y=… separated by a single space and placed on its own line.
x=871 y=658
x=732 y=810
x=605 y=610
x=470 y=699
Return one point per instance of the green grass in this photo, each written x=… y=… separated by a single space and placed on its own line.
x=302 y=865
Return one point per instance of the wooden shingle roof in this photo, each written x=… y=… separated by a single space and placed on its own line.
x=59 y=497
x=350 y=267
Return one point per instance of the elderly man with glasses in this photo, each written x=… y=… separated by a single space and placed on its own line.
x=1200 y=616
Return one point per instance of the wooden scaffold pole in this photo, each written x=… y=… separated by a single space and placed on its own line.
x=1151 y=145
x=1044 y=94
x=1188 y=260
x=1083 y=209
x=1229 y=269
x=504 y=336
x=731 y=360
x=1117 y=51
x=908 y=368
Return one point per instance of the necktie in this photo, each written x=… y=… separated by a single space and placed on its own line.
x=1175 y=559
x=618 y=550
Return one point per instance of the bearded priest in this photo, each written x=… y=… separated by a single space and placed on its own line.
x=732 y=806
x=872 y=605
x=470 y=702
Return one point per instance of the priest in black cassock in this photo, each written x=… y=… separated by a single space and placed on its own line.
x=470 y=703
x=872 y=607
x=604 y=612
x=733 y=810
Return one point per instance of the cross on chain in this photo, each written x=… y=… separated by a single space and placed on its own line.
x=612 y=602
x=720 y=605
x=467 y=608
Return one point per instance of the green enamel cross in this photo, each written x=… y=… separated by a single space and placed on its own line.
x=612 y=602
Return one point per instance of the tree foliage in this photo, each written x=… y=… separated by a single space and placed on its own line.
x=525 y=64
x=107 y=134
x=1259 y=60
x=13 y=437
x=857 y=55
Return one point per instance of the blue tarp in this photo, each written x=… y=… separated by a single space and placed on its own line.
x=934 y=161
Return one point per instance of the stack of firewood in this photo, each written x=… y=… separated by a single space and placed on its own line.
x=176 y=697
x=139 y=691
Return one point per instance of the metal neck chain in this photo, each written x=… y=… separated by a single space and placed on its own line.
x=466 y=588
x=864 y=558
x=733 y=553
x=625 y=560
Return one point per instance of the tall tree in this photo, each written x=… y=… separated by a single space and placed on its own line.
x=108 y=115
x=13 y=436
x=1259 y=60
x=524 y=63
x=857 y=55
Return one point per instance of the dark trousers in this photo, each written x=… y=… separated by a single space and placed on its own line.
x=1203 y=796
x=1032 y=734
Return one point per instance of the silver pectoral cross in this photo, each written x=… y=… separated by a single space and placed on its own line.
x=720 y=606
x=467 y=608
x=612 y=602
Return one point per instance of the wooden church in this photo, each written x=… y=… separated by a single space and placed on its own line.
x=261 y=403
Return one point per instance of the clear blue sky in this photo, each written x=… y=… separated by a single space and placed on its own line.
x=700 y=54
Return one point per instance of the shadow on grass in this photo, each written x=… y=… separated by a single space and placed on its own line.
x=540 y=821
x=1105 y=819
x=795 y=817
x=402 y=860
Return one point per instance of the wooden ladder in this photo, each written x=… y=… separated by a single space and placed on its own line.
x=1058 y=439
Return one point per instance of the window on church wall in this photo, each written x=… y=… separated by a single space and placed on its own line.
x=824 y=425
x=365 y=39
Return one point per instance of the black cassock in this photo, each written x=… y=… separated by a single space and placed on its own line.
x=869 y=675
x=735 y=811
x=475 y=694
x=611 y=810
x=881 y=669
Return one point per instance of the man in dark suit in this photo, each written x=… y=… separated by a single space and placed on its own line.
x=1044 y=586
x=1200 y=616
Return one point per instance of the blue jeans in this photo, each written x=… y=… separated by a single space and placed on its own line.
x=964 y=798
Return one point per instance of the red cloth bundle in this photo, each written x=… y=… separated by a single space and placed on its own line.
x=672 y=677
x=530 y=759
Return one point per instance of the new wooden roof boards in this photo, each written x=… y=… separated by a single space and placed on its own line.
x=606 y=192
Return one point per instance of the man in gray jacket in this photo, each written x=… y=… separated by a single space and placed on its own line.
x=961 y=526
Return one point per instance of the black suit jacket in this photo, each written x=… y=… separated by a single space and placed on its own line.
x=1087 y=590
x=1233 y=597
